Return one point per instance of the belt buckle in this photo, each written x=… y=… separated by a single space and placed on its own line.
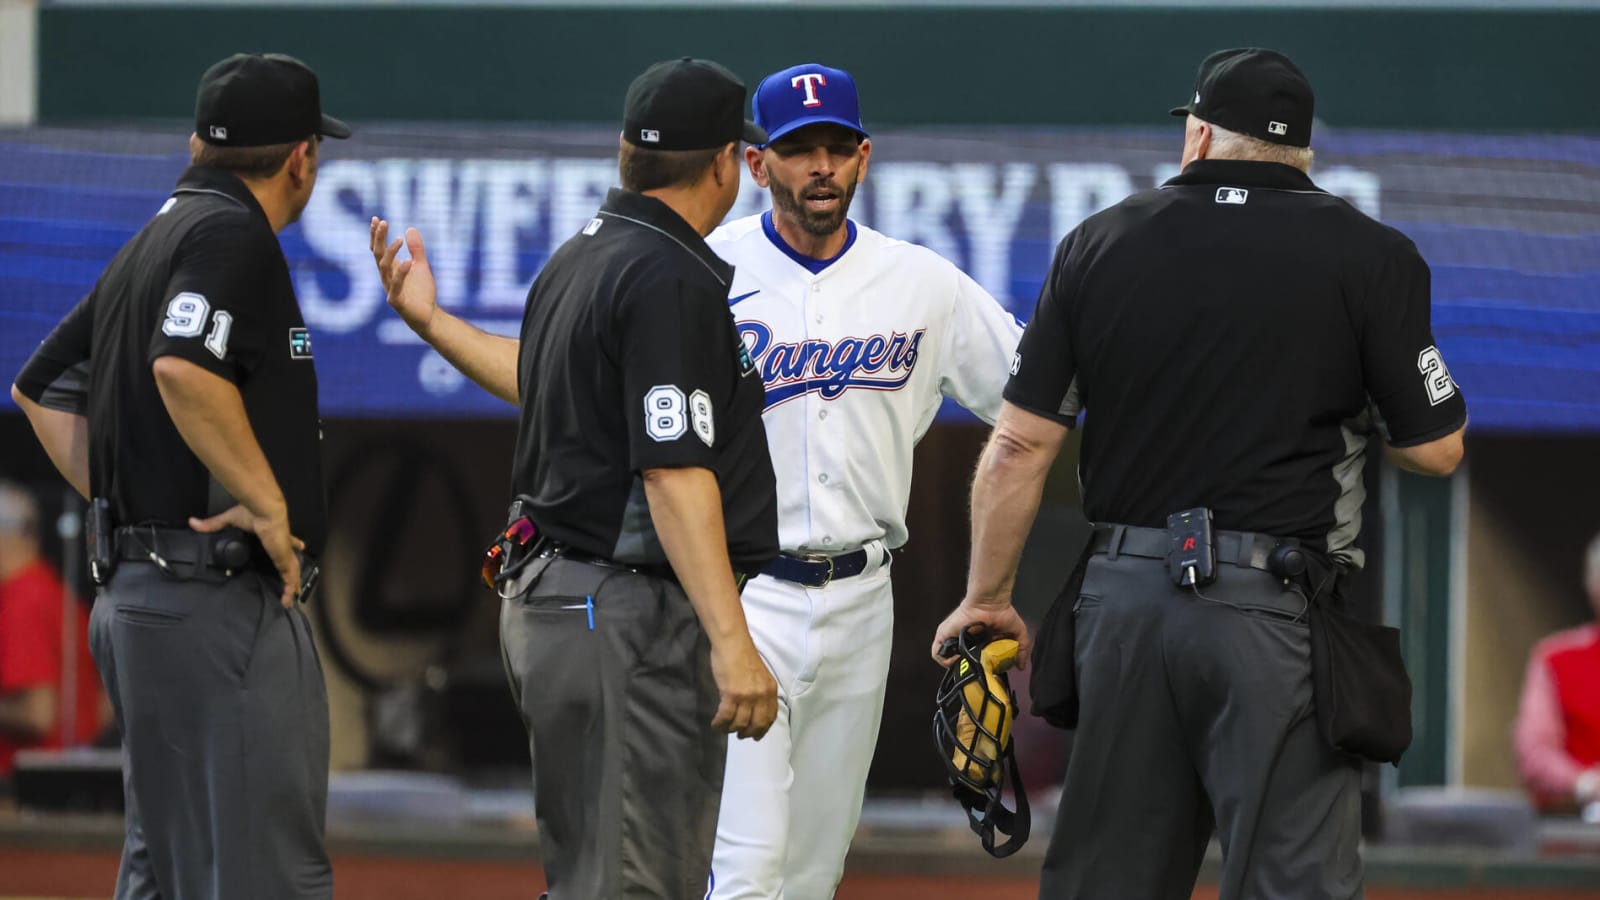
x=819 y=559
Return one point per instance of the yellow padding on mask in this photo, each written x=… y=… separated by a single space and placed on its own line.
x=997 y=656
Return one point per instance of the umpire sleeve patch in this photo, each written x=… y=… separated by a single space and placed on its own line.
x=664 y=418
x=700 y=414
x=1435 y=377
x=186 y=315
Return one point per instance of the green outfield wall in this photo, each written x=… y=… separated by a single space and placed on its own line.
x=1477 y=68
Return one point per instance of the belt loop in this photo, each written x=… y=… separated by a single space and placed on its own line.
x=1118 y=532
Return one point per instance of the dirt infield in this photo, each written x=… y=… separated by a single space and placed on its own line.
x=910 y=887
x=77 y=874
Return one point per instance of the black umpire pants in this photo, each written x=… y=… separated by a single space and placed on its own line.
x=1195 y=716
x=219 y=697
x=612 y=672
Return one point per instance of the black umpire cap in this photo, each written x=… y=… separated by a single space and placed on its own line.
x=687 y=104
x=1256 y=92
x=256 y=99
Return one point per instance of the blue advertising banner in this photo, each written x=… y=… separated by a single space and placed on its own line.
x=1510 y=226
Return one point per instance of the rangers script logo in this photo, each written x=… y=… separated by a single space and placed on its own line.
x=829 y=368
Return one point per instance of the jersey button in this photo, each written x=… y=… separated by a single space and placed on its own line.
x=823 y=478
x=823 y=414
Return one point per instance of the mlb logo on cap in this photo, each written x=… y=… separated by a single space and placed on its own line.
x=804 y=95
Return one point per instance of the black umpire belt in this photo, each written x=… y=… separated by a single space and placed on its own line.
x=1244 y=549
x=817 y=569
x=569 y=552
x=226 y=551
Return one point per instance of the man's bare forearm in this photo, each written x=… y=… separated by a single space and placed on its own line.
x=686 y=508
x=209 y=414
x=64 y=436
x=1005 y=499
x=490 y=360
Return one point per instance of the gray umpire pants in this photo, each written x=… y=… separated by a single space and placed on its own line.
x=1197 y=715
x=219 y=696
x=612 y=672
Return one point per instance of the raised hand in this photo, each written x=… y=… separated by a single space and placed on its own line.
x=407 y=283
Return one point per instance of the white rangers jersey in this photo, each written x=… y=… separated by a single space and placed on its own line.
x=857 y=354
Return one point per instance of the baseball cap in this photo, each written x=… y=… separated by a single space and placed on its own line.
x=255 y=99
x=1256 y=92
x=805 y=95
x=687 y=104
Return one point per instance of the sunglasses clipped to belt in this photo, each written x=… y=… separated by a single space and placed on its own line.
x=521 y=543
x=520 y=540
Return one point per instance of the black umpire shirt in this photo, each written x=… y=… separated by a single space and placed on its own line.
x=630 y=361
x=204 y=281
x=1226 y=336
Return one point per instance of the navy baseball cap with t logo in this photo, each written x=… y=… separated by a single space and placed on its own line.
x=687 y=104
x=256 y=99
x=807 y=94
x=1256 y=92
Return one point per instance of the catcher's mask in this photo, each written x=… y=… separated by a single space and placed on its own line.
x=972 y=730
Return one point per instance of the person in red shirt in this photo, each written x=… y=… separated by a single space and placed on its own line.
x=1557 y=734
x=31 y=641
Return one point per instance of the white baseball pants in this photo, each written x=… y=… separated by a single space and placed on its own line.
x=791 y=801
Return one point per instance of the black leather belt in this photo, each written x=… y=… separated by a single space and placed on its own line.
x=566 y=551
x=817 y=569
x=1245 y=549
x=225 y=551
